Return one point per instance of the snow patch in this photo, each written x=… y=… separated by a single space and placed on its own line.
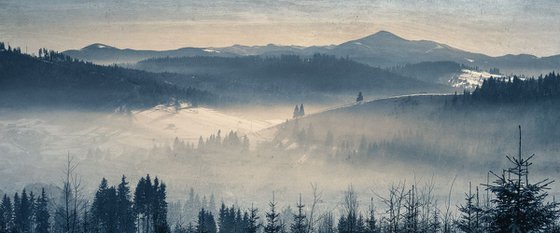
x=211 y=51
x=470 y=79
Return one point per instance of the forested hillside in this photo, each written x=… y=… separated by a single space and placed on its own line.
x=53 y=79
x=288 y=77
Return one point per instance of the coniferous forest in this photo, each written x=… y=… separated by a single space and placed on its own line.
x=234 y=116
x=512 y=202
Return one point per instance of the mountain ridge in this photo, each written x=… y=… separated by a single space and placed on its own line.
x=381 y=49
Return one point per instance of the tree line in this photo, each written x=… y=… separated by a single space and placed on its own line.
x=513 y=202
x=517 y=89
x=52 y=78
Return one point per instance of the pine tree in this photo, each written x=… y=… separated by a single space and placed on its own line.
x=469 y=219
x=103 y=209
x=360 y=97
x=252 y=223
x=520 y=206
x=206 y=222
x=296 y=112
x=299 y=225
x=160 y=207
x=23 y=212
x=301 y=110
x=272 y=219
x=6 y=214
x=42 y=216
x=371 y=222
x=140 y=201
x=222 y=219
x=125 y=214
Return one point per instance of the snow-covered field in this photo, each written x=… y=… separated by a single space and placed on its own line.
x=470 y=79
x=33 y=146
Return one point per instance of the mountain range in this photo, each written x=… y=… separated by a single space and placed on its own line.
x=382 y=49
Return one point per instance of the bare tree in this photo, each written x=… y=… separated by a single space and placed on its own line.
x=394 y=205
x=317 y=195
x=447 y=218
x=72 y=204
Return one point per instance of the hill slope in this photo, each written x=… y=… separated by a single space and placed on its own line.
x=57 y=80
x=436 y=130
x=289 y=77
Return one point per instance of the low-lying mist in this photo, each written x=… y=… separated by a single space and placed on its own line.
x=242 y=160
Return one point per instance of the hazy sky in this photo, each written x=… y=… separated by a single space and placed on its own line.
x=494 y=27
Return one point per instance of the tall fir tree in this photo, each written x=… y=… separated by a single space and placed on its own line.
x=469 y=221
x=160 y=207
x=23 y=212
x=299 y=225
x=6 y=214
x=301 y=110
x=371 y=221
x=42 y=216
x=103 y=209
x=125 y=214
x=206 y=222
x=273 y=224
x=296 y=112
x=519 y=205
x=252 y=222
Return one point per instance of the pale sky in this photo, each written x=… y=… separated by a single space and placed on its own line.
x=493 y=27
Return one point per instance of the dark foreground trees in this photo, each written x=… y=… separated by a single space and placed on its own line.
x=519 y=204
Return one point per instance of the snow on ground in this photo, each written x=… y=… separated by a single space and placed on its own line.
x=141 y=129
x=42 y=140
x=471 y=78
x=191 y=123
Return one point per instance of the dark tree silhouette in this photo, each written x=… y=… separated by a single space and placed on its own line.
x=520 y=206
x=360 y=97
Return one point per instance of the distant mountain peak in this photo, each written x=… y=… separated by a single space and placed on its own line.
x=384 y=35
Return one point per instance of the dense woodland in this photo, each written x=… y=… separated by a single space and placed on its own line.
x=54 y=79
x=516 y=89
x=285 y=77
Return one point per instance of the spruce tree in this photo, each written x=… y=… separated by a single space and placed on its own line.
x=360 y=97
x=272 y=219
x=140 y=201
x=252 y=223
x=103 y=209
x=469 y=221
x=6 y=214
x=125 y=214
x=520 y=206
x=299 y=225
x=301 y=110
x=371 y=222
x=42 y=216
x=23 y=212
x=206 y=222
x=222 y=219
x=160 y=207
